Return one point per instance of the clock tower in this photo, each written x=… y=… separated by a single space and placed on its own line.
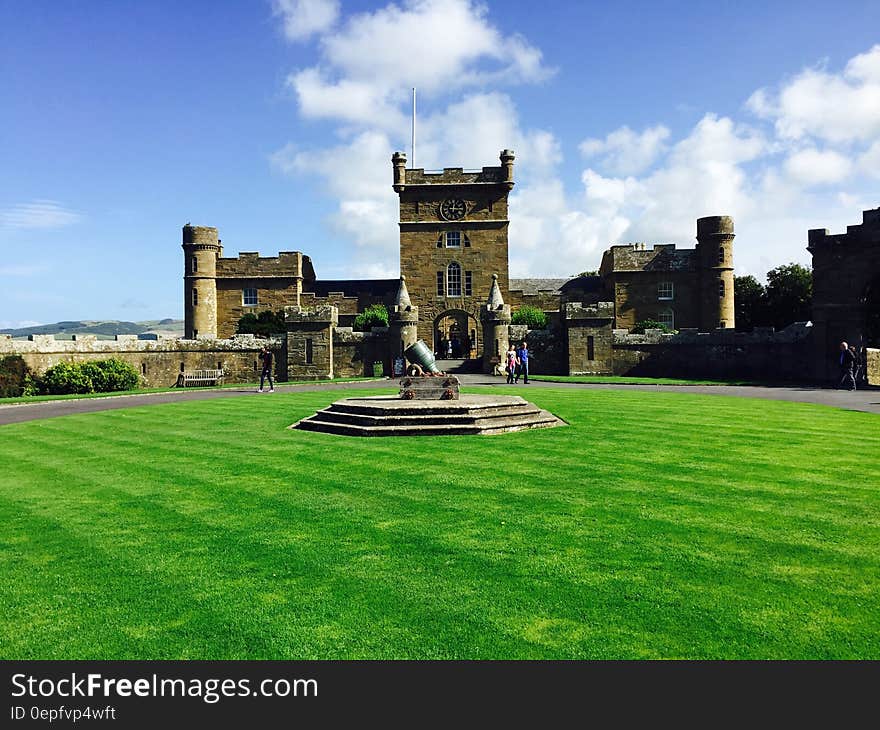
x=453 y=239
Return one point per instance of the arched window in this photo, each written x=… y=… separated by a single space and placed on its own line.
x=667 y=318
x=453 y=280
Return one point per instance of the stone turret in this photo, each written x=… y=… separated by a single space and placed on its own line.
x=507 y=158
x=398 y=161
x=403 y=322
x=715 y=255
x=201 y=248
x=495 y=318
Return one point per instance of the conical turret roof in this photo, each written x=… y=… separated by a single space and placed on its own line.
x=495 y=299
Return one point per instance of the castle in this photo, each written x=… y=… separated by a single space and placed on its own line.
x=453 y=251
x=455 y=288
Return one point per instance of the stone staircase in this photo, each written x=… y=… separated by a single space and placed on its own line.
x=389 y=415
x=473 y=365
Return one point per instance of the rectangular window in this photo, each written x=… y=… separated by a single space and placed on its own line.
x=591 y=348
x=665 y=290
x=721 y=287
x=194 y=264
x=195 y=297
x=667 y=318
x=249 y=297
x=721 y=255
x=440 y=289
x=453 y=280
x=310 y=353
x=468 y=283
x=453 y=239
x=467 y=241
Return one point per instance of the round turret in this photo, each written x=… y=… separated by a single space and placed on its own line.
x=201 y=248
x=715 y=253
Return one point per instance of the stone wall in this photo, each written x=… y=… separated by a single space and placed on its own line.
x=873 y=370
x=158 y=360
x=354 y=353
x=762 y=354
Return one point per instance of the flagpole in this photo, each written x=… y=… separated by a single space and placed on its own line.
x=412 y=163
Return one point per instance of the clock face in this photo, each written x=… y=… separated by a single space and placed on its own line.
x=453 y=209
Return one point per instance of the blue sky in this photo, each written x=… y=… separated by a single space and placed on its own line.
x=275 y=120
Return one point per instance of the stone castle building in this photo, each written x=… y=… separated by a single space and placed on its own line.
x=454 y=260
x=455 y=287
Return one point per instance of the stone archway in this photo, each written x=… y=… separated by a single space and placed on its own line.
x=455 y=330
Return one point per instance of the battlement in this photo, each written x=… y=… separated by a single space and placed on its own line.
x=419 y=176
x=251 y=265
x=866 y=231
x=89 y=344
x=638 y=257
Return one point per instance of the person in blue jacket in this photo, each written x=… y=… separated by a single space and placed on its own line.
x=522 y=355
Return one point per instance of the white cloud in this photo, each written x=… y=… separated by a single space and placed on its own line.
x=869 y=162
x=303 y=18
x=40 y=214
x=838 y=107
x=627 y=152
x=814 y=167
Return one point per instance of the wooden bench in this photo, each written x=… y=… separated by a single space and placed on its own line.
x=199 y=377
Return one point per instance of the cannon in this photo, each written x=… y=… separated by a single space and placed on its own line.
x=421 y=355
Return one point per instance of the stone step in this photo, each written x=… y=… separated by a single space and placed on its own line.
x=473 y=415
x=393 y=416
x=487 y=427
x=416 y=408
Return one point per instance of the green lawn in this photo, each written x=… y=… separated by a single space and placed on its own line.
x=654 y=525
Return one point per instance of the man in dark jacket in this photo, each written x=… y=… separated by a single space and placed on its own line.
x=266 y=357
x=847 y=362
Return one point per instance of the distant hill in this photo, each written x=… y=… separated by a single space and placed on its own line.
x=102 y=328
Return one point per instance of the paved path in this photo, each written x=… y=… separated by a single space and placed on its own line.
x=862 y=400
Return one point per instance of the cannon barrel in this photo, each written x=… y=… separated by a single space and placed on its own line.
x=421 y=354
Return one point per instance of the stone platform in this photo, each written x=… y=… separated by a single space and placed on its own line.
x=389 y=415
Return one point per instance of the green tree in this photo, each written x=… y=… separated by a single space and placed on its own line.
x=264 y=324
x=748 y=294
x=531 y=317
x=649 y=324
x=788 y=295
x=376 y=315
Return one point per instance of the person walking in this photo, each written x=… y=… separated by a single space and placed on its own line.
x=522 y=355
x=847 y=363
x=267 y=358
x=511 y=363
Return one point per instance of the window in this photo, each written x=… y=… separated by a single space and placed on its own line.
x=249 y=297
x=453 y=280
x=468 y=283
x=182 y=367
x=667 y=318
x=591 y=348
x=665 y=290
x=453 y=239
x=194 y=264
x=441 y=290
x=722 y=325
x=721 y=287
x=310 y=352
x=143 y=368
x=195 y=297
x=721 y=255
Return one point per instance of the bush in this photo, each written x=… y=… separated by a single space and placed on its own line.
x=14 y=376
x=649 y=324
x=98 y=376
x=531 y=317
x=373 y=316
x=66 y=377
x=264 y=324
